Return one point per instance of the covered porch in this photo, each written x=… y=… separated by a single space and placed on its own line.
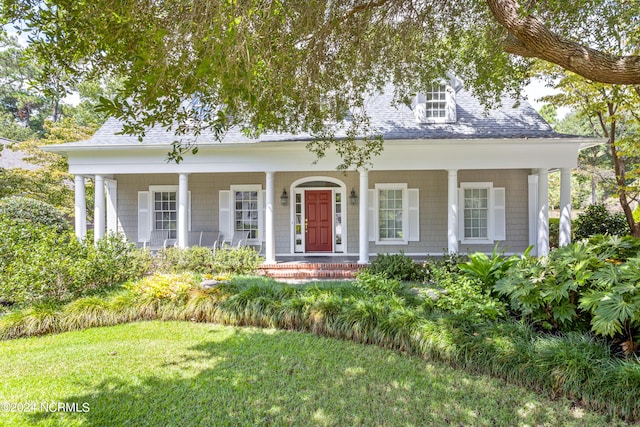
x=282 y=226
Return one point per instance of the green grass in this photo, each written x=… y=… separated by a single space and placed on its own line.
x=182 y=373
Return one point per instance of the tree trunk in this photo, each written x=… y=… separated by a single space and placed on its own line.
x=619 y=168
x=529 y=37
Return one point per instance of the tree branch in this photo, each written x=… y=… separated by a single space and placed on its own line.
x=529 y=37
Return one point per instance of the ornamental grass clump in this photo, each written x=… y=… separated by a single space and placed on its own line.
x=575 y=365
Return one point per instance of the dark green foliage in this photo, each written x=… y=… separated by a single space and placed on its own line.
x=488 y=269
x=242 y=260
x=586 y=285
x=27 y=210
x=39 y=263
x=196 y=259
x=554 y=232
x=376 y=284
x=463 y=296
x=596 y=219
x=202 y=260
x=573 y=365
x=398 y=267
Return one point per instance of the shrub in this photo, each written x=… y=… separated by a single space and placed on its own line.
x=554 y=232
x=463 y=296
x=376 y=284
x=594 y=284
x=39 y=263
x=174 y=260
x=489 y=269
x=159 y=287
x=36 y=212
x=242 y=260
x=596 y=219
x=546 y=291
x=397 y=266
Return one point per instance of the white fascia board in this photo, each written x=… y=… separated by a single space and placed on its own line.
x=293 y=156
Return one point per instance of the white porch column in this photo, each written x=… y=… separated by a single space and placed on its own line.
x=565 y=207
x=183 y=208
x=99 y=211
x=542 y=242
x=364 y=218
x=269 y=234
x=80 y=209
x=452 y=217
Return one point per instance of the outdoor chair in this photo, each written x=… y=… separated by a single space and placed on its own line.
x=238 y=240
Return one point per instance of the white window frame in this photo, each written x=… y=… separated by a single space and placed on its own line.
x=420 y=104
x=153 y=189
x=232 y=201
x=405 y=214
x=490 y=213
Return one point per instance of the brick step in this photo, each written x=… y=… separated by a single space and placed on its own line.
x=310 y=271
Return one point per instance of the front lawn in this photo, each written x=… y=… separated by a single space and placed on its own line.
x=183 y=373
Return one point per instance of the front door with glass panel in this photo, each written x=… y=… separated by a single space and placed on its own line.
x=318 y=220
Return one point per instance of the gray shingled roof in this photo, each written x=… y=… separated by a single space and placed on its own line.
x=13 y=159
x=393 y=122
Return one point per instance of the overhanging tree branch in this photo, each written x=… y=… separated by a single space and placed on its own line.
x=529 y=37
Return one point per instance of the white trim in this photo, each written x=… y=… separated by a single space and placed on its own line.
x=405 y=213
x=293 y=190
x=420 y=103
x=113 y=221
x=490 y=213
x=80 y=207
x=168 y=188
x=261 y=207
x=99 y=215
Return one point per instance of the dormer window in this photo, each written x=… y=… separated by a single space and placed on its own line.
x=436 y=102
x=436 y=105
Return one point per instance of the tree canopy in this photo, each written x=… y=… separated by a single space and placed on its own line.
x=287 y=65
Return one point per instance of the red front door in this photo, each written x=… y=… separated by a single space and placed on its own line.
x=318 y=223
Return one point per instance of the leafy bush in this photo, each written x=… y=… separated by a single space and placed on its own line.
x=174 y=260
x=546 y=291
x=397 y=266
x=376 y=284
x=36 y=212
x=572 y=365
x=489 y=269
x=242 y=260
x=461 y=295
x=554 y=232
x=39 y=263
x=596 y=219
x=162 y=287
x=586 y=285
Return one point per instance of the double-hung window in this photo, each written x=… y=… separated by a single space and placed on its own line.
x=482 y=209
x=394 y=214
x=476 y=213
x=436 y=104
x=247 y=212
x=391 y=213
x=165 y=212
x=242 y=210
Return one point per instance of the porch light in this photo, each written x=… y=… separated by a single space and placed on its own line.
x=284 y=198
x=353 y=197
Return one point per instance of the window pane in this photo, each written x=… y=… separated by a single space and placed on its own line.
x=246 y=212
x=165 y=211
x=476 y=213
x=390 y=214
